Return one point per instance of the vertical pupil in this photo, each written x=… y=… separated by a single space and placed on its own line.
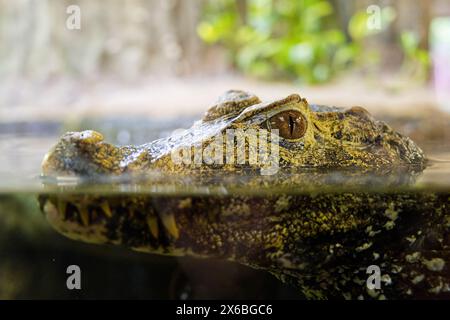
x=291 y=124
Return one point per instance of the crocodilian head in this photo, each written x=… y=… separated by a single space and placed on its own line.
x=299 y=134
x=318 y=136
x=307 y=136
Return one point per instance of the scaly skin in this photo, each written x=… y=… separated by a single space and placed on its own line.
x=320 y=241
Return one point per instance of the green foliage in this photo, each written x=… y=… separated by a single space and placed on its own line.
x=271 y=39
x=357 y=26
x=300 y=39
x=361 y=26
x=417 y=60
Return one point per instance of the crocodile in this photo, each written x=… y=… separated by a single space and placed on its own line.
x=324 y=241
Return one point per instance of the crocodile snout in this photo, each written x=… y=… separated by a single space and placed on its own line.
x=79 y=153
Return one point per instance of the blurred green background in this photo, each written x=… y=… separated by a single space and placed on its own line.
x=120 y=44
x=306 y=40
x=132 y=43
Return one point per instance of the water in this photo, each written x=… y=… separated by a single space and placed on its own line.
x=33 y=258
x=23 y=146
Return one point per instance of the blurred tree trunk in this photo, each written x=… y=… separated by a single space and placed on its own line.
x=425 y=21
x=344 y=10
x=241 y=6
x=125 y=38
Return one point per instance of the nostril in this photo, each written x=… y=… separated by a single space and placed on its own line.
x=86 y=137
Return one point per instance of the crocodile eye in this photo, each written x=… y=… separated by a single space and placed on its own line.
x=291 y=124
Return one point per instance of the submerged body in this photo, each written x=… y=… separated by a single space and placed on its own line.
x=321 y=242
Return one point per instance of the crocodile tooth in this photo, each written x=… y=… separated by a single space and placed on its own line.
x=106 y=209
x=169 y=223
x=152 y=223
x=84 y=214
x=62 y=206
